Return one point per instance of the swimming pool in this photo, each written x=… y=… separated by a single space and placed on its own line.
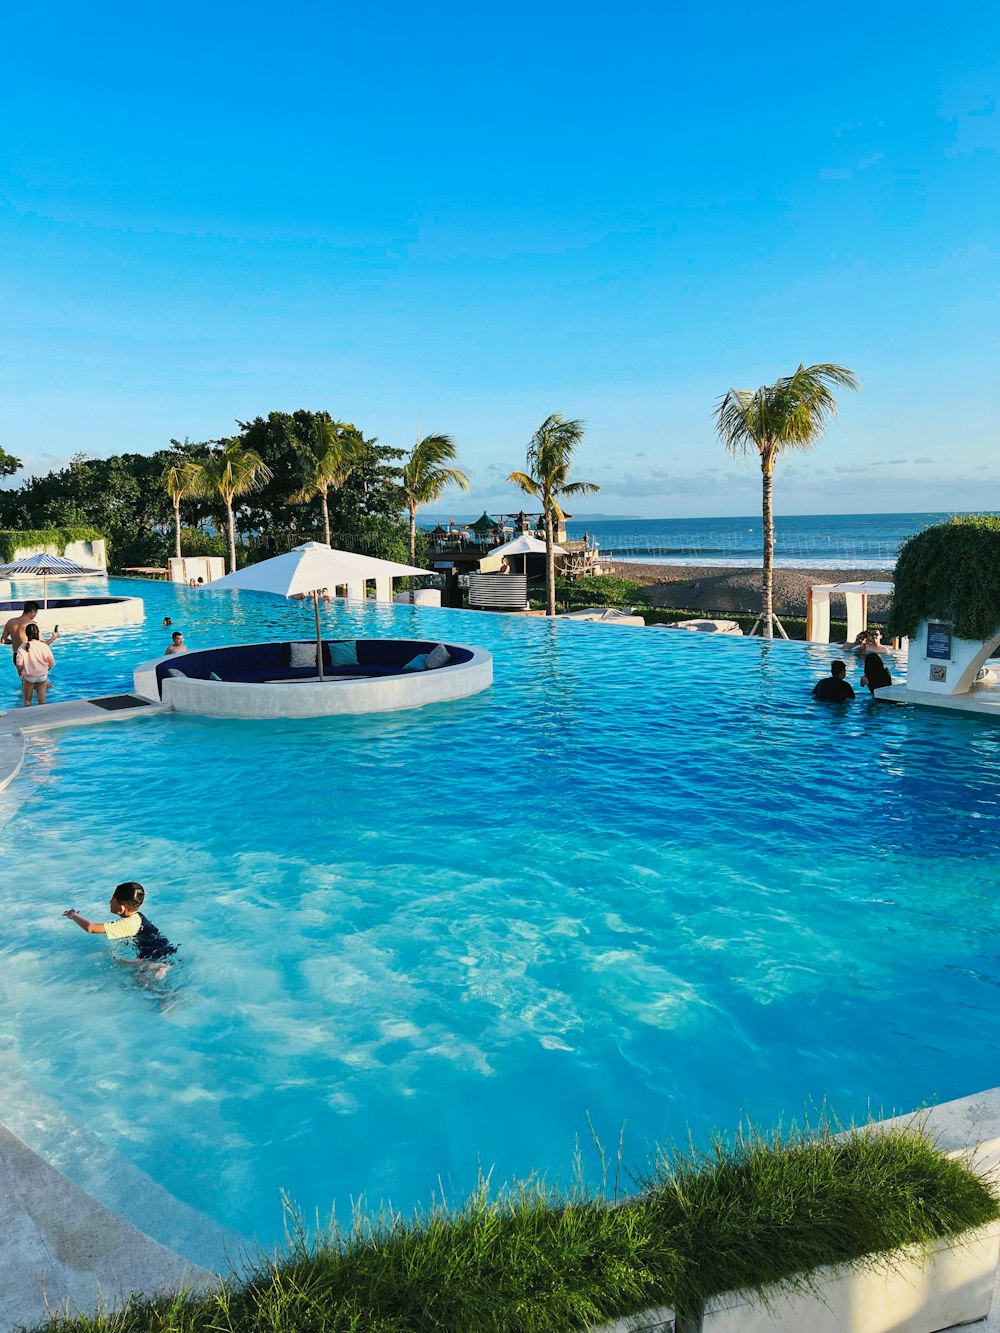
x=644 y=880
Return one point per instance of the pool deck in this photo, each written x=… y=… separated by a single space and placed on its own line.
x=18 y=723
x=983 y=702
x=62 y=1250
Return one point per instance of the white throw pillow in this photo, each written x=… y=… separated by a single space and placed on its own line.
x=172 y=671
x=438 y=656
x=302 y=654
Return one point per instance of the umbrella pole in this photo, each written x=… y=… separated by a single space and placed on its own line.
x=45 y=592
x=319 y=635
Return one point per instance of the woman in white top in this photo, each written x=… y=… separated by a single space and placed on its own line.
x=34 y=661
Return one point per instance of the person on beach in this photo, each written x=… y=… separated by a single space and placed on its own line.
x=150 y=945
x=16 y=629
x=876 y=676
x=834 y=688
x=34 y=661
x=177 y=644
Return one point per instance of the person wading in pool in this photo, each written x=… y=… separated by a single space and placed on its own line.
x=15 y=632
x=150 y=946
x=834 y=688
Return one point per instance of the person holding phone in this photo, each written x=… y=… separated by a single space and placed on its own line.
x=34 y=661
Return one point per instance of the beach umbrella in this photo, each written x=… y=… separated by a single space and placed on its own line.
x=45 y=566
x=525 y=545
x=306 y=571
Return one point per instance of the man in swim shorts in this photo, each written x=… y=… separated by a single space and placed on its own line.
x=15 y=632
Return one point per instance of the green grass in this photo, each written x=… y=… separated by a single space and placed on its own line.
x=761 y=1210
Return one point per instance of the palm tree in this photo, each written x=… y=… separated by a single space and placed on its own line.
x=329 y=458
x=227 y=473
x=549 y=455
x=792 y=413
x=179 y=482
x=425 y=478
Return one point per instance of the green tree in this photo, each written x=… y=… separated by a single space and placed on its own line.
x=426 y=478
x=792 y=413
x=8 y=464
x=328 y=454
x=230 y=472
x=550 y=454
x=180 y=482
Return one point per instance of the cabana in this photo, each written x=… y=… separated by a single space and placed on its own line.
x=855 y=595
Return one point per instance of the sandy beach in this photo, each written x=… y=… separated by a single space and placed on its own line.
x=731 y=590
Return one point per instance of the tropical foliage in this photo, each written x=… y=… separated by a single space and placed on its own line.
x=550 y=455
x=228 y=473
x=752 y=1214
x=792 y=413
x=8 y=464
x=180 y=478
x=125 y=498
x=949 y=572
x=327 y=454
x=426 y=477
x=34 y=540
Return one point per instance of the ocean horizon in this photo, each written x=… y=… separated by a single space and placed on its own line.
x=813 y=541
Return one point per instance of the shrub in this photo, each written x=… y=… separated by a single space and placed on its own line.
x=950 y=572
x=597 y=589
x=765 y=1209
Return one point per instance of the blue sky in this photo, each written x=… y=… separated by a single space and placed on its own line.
x=472 y=217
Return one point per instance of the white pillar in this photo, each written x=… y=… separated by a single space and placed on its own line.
x=356 y=590
x=383 y=588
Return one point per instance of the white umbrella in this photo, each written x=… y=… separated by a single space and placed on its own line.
x=308 y=569
x=525 y=545
x=46 y=566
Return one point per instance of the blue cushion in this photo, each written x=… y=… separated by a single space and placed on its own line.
x=344 y=654
x=418 y=663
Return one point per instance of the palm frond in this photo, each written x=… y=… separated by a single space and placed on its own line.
x=525 y=483
x=792 y=413
x=424 y=477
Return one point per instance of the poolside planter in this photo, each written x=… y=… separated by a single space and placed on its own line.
x=916 y=1290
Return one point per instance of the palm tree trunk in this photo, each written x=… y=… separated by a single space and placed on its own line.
x=231 y=518
x=550 y=565
x=767 y=590
x=326 y=516
x=177 y=527
x=413 y=534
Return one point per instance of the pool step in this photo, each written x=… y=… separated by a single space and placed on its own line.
x=79 y=713
x=62 y=1250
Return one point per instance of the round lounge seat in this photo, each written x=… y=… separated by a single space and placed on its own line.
x=359 y=676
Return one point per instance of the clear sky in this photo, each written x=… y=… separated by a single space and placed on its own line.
x=472 y=216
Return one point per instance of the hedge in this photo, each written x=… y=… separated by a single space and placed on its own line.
x=949 y=572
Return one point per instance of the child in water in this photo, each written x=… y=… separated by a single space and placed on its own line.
x=150 y=945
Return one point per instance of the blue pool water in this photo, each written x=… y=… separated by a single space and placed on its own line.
x=643 y=880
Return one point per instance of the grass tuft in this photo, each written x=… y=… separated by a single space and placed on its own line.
x=751 y=1213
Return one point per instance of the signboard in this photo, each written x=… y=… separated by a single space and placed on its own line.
x=938 y=641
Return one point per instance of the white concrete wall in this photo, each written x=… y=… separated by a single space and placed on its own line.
x=206 y=567
x=113 y=611
x=84 y=553
x=967 y=656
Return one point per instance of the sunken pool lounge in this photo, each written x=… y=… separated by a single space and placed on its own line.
x=267 y=680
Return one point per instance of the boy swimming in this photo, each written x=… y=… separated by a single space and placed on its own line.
x=150 y=945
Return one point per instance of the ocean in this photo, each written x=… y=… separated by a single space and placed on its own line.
x=817 y=541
